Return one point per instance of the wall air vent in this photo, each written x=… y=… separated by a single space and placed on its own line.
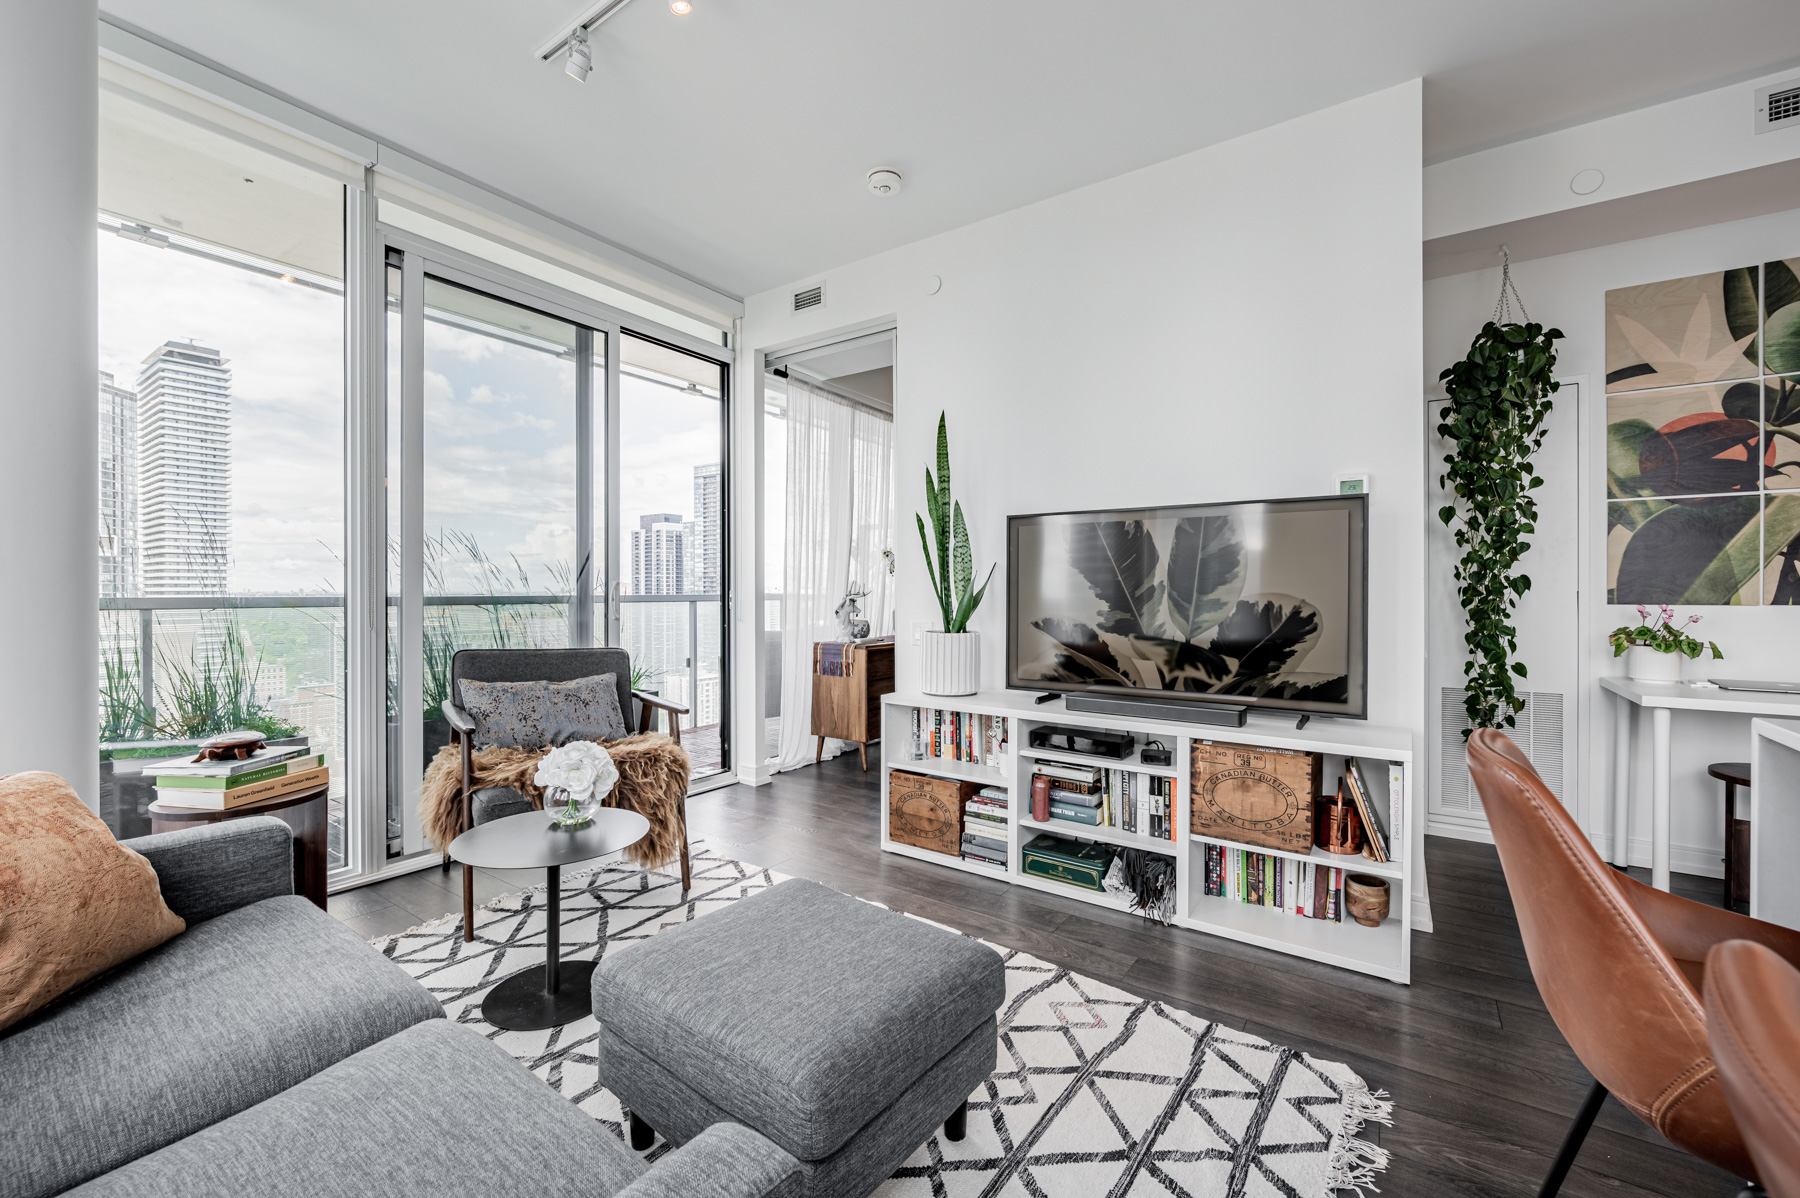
x=809 y=297
x=1778 y=106
x=1539 y=733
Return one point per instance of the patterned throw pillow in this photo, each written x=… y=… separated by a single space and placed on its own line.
x=508 y=715
x=583 y=709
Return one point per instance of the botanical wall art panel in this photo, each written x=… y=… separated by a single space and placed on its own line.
x=1683 y=441
x=1682 y=331
x=1781 y=530
x=1703 y=438
x=1781 y=317
x=1693 y=551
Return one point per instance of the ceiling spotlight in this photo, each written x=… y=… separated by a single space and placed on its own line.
x=580 y=60
x=884 y=182
x=680 y=8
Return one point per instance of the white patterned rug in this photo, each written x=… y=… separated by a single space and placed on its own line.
x=1094 y=1091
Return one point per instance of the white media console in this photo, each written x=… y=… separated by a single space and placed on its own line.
x=1384 y=951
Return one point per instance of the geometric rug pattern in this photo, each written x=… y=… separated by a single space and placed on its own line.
x=1095 y=1092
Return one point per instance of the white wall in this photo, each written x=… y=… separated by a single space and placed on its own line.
x=1237 y=323
x=49 y=403
x=1569 y=292
x=1644 y=150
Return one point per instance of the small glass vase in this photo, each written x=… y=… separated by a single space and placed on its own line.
x=568 y=810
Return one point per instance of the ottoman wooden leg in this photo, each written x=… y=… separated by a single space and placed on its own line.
x=641 y=1133
x=957 y=1125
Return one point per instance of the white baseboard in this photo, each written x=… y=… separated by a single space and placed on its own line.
x=1421 y=913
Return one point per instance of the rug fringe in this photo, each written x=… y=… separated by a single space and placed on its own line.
x=1354 y=1163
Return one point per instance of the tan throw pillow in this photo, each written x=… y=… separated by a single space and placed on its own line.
x=74 y=902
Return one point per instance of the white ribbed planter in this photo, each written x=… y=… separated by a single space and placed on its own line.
x=950 y=663
x=1644 y=664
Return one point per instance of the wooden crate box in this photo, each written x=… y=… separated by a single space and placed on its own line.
x=1254 y=795
x=927 y=812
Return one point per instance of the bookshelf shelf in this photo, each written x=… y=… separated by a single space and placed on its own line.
x=1347 y=944
x=1080 y=831
x=1110 y=763
x=1383 y=952
x=959 y=771
x=1350 y=864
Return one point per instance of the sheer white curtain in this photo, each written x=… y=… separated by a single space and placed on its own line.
x=840 y=508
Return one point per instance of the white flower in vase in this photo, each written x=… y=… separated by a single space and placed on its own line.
x=575 y=777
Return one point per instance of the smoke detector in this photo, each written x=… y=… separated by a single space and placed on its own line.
x=884 y=182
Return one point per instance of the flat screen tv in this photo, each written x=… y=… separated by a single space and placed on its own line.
x=1262 y=604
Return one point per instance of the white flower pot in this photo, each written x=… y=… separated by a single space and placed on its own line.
x=950 y=663
x=1643 y=664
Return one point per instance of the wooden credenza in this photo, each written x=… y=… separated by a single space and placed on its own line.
x=848 y=707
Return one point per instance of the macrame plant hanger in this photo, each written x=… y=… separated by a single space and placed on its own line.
x=1509 y=294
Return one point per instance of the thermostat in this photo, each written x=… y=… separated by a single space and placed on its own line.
x=1352 y=484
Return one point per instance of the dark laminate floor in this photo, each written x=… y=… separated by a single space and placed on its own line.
x=1483 y=1084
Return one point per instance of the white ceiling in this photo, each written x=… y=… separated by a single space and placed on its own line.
x=732 y=144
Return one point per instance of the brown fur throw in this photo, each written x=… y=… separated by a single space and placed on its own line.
x=653 y=780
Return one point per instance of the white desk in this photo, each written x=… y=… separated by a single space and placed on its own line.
x=1774 y=821
x=1660 y=699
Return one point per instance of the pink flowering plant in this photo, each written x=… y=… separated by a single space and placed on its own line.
x=1656 y=629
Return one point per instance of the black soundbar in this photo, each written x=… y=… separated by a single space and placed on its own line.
x=1230 y=715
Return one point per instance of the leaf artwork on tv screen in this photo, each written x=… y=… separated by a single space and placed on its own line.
x=1179 y=621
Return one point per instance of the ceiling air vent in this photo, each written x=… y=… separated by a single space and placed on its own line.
x=809 y=297
x=1778 y=106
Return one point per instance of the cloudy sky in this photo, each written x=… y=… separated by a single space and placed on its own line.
x=499 y=423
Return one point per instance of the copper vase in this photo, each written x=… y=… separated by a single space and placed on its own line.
x=1336 y=826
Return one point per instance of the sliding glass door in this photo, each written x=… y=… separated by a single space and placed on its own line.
x=524 y=476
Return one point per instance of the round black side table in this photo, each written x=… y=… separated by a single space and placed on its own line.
x=556 y=992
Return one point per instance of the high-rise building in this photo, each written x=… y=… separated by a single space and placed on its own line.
x=118 y=489
x=709 y=532
x=658 y=549
x=184 y=470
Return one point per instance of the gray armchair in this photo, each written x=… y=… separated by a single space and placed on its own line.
x=486 y=804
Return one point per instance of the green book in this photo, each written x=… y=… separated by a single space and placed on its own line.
x=280 y=769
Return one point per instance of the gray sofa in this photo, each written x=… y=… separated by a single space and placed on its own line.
x=268 y=1050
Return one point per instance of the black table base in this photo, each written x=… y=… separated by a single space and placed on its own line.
x=547 y=995
x=522 y=1003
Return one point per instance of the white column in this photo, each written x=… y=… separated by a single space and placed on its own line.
x=49 y=565
x=749 y=653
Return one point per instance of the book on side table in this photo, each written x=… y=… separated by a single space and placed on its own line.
x=222 y=785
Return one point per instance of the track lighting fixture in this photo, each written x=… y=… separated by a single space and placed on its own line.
x=581 y=61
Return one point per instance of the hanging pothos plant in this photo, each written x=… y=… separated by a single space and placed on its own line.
x=1499 y=397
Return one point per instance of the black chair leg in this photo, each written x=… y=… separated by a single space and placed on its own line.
x=446 y=862
x=1578 y=1130
x=641 y=1133
x=957 y=1125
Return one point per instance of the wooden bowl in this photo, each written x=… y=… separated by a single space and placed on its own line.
x=1366 y=898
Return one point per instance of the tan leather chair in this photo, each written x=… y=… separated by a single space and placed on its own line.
x=1620 y=966
x=1753 y=1023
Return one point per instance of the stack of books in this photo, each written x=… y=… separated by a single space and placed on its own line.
x=268 y=773
x=1073 y=791
x=984 y=828
x=1304 y=888
x=1109 y=798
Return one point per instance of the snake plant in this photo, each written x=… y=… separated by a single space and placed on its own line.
x=954 y=574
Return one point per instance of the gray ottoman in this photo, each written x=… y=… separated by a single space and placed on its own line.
x=841 y=1031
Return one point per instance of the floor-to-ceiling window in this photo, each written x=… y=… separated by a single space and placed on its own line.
x=221 y=393
x=670 y=601
x=525 y=475
x=521 y=409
